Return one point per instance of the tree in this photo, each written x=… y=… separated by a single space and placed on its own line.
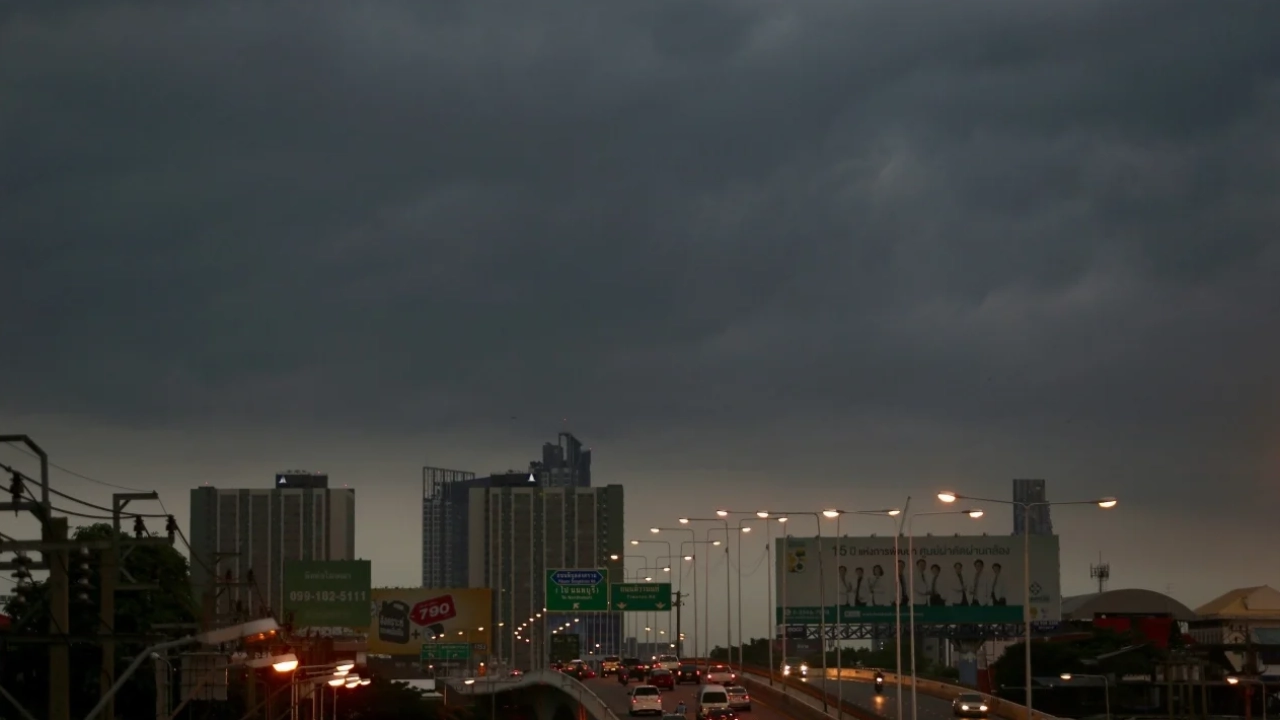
x=1097 y=653
x=25 y=666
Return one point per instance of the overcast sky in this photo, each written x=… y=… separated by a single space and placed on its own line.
x=753 y=252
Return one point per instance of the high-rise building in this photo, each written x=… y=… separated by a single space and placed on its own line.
x=445 y=497
x=443 y=531
x=235 y=531
x=518 y=533
x=445 y=521
x=1030 y=492
x=564 y=464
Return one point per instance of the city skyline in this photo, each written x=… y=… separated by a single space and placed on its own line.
x=1079 y=544
x=804 y=254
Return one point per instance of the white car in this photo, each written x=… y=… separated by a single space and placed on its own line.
x=669 y=662
x=739 y=698
x=720 y=674
x=646 y=700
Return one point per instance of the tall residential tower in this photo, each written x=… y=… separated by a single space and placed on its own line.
x=518 y=533
x=245 y=536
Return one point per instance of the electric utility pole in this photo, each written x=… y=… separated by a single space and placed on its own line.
x=55 y=549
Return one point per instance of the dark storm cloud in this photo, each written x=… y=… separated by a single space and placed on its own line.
x=638 y=213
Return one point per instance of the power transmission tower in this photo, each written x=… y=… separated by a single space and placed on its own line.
x=1100 y=572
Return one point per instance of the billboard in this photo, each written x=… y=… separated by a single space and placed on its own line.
x=972 y=579
x=404 y=619
x=326 y=593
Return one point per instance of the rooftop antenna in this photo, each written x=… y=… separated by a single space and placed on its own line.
x=1100 y=572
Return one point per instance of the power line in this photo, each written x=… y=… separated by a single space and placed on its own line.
x=191 y=553
x=73 y=473
x=72 y=498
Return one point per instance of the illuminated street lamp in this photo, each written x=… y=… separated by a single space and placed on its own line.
x=728 y=592
x=1105 y=503
x=911 y=588
x=1236 y=680
x=233 y=633
x=893 y=516
x=742 y=529
x=1106 y=690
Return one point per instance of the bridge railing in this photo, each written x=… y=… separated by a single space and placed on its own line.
x=484 y=686
x=933 y=688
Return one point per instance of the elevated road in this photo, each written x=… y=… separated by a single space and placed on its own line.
x=863 y=694
x=614 y=695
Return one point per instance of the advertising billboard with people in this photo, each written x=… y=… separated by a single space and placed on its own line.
x=973 y=579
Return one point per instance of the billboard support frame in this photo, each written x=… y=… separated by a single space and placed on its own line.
x=967 y=631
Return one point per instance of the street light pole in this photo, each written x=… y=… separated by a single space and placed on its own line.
x=822 y=600
x=772 y=611
x=728 y=593
x=1105 y=503
x=911 y=591
x=1106 y=690
x=743 y=528
x=669 y=558
x=693 y=539
x=893 y=516
x=1233 y=680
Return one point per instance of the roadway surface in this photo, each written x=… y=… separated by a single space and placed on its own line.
x=863 y=695
x=614 y=695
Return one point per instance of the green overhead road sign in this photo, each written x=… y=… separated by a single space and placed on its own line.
x=446 y=651
x=569 y=590
x=641 y=597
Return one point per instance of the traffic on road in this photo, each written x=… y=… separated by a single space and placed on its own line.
x=619 y=699
x=863 y=694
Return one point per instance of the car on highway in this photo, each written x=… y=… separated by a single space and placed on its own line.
x=668 y=662
x=721 y=674
x=634 y=668
x=609 y=665
x=969 y=705
x=662 y=678
x=739 y=698
x=795 y=667
x=688 y=673
x=646 y=700
x=578 y=669
x=710 y=699
x=723 y=714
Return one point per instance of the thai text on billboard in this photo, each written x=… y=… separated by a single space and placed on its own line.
x=960 y=579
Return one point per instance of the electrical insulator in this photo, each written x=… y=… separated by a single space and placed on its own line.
x=170 y=527
x=23 y=572
x=139 y=527
x=81 y=581
x=16 y=490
